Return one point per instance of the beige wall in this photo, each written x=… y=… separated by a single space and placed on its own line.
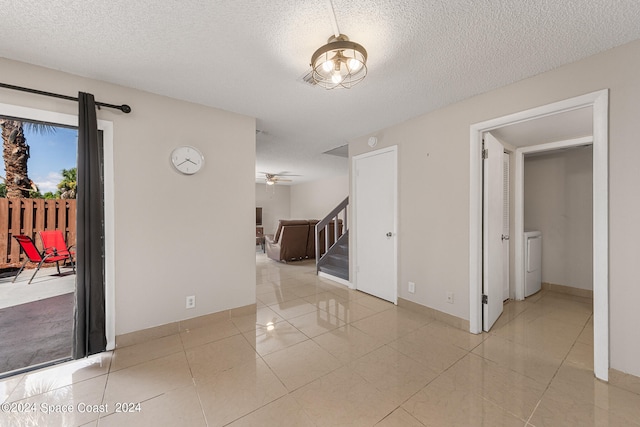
x=175 y=235
x=558 y=200
x=275 y=201
x=433 y=241
x=314 y=200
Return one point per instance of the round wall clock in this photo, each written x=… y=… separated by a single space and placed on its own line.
x=187 y=160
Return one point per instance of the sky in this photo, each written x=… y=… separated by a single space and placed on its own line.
x=50 y=153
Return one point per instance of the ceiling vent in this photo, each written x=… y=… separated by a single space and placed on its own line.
x=308 y=78
x=342 y=151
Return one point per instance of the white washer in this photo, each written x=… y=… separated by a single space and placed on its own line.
x=533 y=262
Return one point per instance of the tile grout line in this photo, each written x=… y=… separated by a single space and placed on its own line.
x=106 y=383
x=193 y=379
x=528 y=422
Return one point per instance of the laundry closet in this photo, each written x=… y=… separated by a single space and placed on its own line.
x=558 y=203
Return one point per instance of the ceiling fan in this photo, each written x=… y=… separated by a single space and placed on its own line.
x=274 y=178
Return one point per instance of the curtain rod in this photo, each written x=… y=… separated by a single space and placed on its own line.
x=124 y=107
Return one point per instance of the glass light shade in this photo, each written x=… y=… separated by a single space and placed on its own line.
x=339 y=63
x=354 y=65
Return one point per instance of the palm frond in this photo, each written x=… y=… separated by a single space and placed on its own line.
x=41 y=128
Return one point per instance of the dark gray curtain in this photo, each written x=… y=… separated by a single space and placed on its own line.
x=89 y=314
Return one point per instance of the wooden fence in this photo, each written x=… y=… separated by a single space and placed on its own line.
x=29 y=216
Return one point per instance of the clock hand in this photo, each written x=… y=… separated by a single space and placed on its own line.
x=184 y=161
x=189 y=160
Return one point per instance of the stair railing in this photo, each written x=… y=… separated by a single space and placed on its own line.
x=339 y=212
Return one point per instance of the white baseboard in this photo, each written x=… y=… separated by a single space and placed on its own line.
x=334 y=278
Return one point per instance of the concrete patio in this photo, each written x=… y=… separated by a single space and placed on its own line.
x=46 y=284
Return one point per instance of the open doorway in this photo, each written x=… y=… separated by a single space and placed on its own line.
x=597 y=104
x=558 y=202
x=38 y=229
x=106 y=130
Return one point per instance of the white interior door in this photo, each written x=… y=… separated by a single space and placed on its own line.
x=505 y=228
x=375 y=201
x=493 y=212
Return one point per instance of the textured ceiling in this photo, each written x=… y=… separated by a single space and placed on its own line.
x=248 y=56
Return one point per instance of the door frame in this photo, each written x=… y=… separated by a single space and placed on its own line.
x=599 y=101
x=109 y=213
x=353 y=245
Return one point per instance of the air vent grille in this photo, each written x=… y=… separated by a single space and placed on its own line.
x=308 y=78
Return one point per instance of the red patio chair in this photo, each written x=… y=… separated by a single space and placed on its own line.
x=54 y=244
x=34 y=255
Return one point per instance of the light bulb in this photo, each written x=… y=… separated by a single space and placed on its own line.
x=336 y=77
x=354 y=65
x=269 y=182
x=327 y=66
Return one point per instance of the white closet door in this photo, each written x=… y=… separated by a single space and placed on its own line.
x=505 y=227
x=492 y=235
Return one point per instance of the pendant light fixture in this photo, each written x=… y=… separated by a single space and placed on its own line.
x=339 y=63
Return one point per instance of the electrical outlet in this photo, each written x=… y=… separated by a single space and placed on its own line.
x=450 y=297
x=412 y=288
x=191 y=301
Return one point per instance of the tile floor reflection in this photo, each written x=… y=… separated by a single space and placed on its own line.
x=318 y=354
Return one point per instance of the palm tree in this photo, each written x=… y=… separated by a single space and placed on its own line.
x=67 y=187
x=15 y=152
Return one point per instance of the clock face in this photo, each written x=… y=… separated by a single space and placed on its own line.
x=187 y=160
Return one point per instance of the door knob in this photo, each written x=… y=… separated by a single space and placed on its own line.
x=389 y=234
x=505 y=237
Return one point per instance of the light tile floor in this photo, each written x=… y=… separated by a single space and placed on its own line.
x=319 y=354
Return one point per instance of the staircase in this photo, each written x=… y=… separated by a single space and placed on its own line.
x=334 y=262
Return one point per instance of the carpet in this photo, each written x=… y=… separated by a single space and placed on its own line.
x=36 y=332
